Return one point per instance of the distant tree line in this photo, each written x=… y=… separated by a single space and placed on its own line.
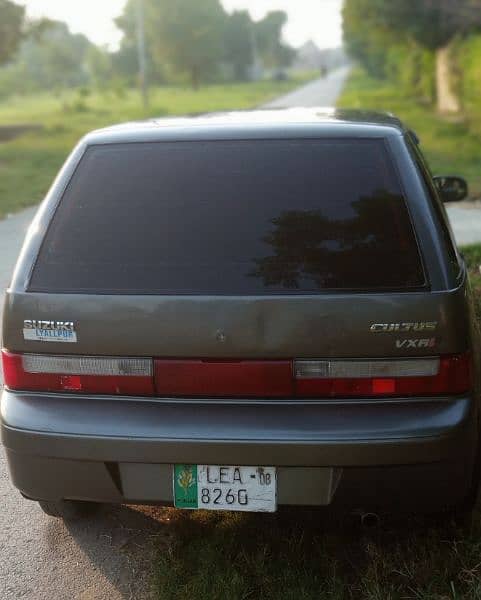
x=186 y=41
x=202 y=41
x=413 y=41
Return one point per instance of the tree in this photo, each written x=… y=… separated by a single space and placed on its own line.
x=434 y=24
x=185 y=34
x=366 y=37
x=371 y=26
x=126 y=62
x=11 y=27
x=274 y=52
x=126 y=59
x=49 y=56
x=239 y=43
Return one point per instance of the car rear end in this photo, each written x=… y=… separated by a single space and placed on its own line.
x=242 y=318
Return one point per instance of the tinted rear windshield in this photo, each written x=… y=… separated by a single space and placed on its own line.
x=236 y=218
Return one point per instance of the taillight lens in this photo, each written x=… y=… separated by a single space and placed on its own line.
x=448 y=375
x=96 y=375
x=248 y=379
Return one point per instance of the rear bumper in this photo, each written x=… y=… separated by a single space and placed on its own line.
x=119 y=450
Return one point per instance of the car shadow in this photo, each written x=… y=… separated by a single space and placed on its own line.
x=120 y=544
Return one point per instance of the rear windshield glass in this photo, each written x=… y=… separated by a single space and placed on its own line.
x=236 y=218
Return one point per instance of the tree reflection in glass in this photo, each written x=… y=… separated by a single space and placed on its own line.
x=356 y=252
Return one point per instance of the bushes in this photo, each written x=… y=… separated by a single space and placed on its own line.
x=467 y=55
x=427 y=75
x=413 y=67
x=472 y=255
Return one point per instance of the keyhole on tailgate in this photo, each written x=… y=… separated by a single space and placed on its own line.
x=220 y=336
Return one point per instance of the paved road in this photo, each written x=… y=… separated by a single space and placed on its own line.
x=108 y=557
x=321 y=92
x=12 y=232
x=466 y=223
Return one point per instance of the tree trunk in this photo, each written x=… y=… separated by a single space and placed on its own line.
x=448 y=101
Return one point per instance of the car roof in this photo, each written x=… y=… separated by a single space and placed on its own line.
x=260 y=123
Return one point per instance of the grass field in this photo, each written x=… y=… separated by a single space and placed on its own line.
x=29 y=163
x=449 y=146
x=303 y=555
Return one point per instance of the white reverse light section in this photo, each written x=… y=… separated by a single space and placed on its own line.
x=365 y=369
x=87 y=365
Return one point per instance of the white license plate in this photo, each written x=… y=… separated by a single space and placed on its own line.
x=208 y=487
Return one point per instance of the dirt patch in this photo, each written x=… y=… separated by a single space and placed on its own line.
x=10 y=132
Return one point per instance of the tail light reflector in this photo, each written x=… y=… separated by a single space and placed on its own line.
x=96 y=375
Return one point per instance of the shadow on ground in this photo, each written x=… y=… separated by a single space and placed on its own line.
x=121 y=543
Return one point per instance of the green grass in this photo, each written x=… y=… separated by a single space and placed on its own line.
x=29 y=163
x=472 y=255
x=450 y=147
x=302 y=555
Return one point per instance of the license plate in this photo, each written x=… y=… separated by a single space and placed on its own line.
x=207 y=487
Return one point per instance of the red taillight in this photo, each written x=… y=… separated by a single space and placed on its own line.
x=94 y=375
x=248 y=379
x=448 y=375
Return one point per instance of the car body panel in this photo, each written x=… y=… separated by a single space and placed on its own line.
x=323 y=326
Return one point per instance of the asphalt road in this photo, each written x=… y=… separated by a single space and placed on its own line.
x=466 y=223
x=321 y=92
x=109 y=556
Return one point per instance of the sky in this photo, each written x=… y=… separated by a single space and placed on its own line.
x=319 y=20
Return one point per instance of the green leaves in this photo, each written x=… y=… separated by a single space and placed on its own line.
x=372 y=26
x=11 y=28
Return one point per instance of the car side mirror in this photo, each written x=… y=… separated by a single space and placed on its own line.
x=451 y=189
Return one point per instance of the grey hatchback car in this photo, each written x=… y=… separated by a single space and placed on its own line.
x=243 y=311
